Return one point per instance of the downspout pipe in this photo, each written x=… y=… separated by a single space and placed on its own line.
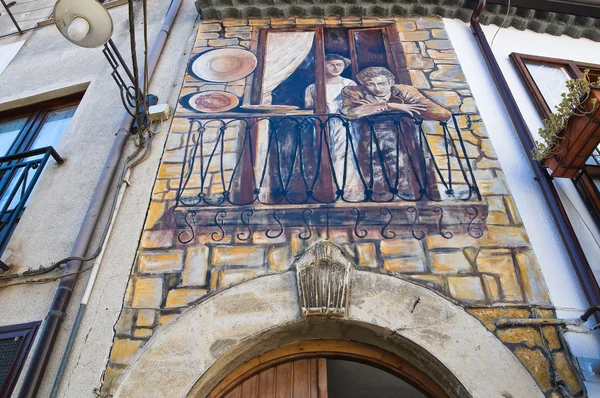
x=43 y=350
x=553 y=203
x=88 y=289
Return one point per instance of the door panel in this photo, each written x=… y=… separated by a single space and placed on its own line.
x=266 y=386
x=303 y=378
x=283 y=380
x=328 y=369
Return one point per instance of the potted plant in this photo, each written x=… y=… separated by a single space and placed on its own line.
x=572 y=132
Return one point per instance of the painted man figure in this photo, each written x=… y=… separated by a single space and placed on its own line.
x=378 y=94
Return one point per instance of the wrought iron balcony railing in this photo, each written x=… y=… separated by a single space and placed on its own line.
x=19 y=173
x=304 y=159
x=324 y=170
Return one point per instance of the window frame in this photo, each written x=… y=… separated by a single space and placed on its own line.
x=395 y=57
x=28 y=331
x=36 y=116
x=574 y=69
x=584 y=182
x=584 y=179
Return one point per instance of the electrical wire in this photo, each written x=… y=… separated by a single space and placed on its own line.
x=47 y=280
x=146 y=80
x=129 y=163
x=502 y=24
x=139 y=98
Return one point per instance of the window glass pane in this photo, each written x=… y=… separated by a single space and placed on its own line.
x=50 y=134
x=55 y=125
x=594 y=160
x=8 y=133
x=370 y=49
x=551 y=80
x=15 y=342
x=16 y=183
x=9 y=349
x=336 y=42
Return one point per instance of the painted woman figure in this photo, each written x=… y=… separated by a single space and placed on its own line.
x=334 y=84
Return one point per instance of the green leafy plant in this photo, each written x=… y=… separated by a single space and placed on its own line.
x=572 y=104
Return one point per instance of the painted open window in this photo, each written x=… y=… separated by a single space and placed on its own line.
x=371 y=154
x=290 y=61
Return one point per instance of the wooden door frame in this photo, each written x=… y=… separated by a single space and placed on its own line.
x=334 y=349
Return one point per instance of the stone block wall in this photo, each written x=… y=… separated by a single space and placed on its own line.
x=496 y=270
x=541 y=349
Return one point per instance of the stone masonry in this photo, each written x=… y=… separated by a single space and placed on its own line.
x=496 y=275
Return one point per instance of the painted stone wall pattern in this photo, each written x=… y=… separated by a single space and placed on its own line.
x=361 y=132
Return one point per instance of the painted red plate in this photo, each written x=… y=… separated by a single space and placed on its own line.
x=213 y=101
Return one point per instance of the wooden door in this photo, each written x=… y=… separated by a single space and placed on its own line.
x=299 y=370
x=302 y=378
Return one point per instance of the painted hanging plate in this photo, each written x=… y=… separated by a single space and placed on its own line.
x=223 y=65
x=213 y=101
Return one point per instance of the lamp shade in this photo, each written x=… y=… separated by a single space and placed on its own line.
x=70 y=17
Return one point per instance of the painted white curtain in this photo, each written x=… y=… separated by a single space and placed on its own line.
x=285 y=52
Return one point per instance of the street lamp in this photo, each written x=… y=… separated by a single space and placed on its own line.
x=86 y=23
x=83 y=23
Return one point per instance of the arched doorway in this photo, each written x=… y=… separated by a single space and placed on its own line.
x=327 y=369
x=199 y=348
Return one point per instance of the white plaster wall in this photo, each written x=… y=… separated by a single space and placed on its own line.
x=48 y=66
x=565 y=291
x=8 y=52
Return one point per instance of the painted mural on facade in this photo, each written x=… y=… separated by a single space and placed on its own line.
x=362 y=132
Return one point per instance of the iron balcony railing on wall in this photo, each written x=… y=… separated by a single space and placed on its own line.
x=19 y=173
x=323 y=159
x=272 y=171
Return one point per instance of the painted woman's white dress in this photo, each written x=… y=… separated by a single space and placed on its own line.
x=337 y=134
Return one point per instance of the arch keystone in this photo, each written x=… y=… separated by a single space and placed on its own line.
x=323 y=280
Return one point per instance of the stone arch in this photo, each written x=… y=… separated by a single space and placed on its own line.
x=195 y=351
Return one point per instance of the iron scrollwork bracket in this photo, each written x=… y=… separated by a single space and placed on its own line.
x=475 y=232
x=240 y=235
x=419 y=235
x=444 y=234
x=276 y=215
x=308 y=233
x=190 y=231
x=219 y=218
x=384 y=230
x=362 y=232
